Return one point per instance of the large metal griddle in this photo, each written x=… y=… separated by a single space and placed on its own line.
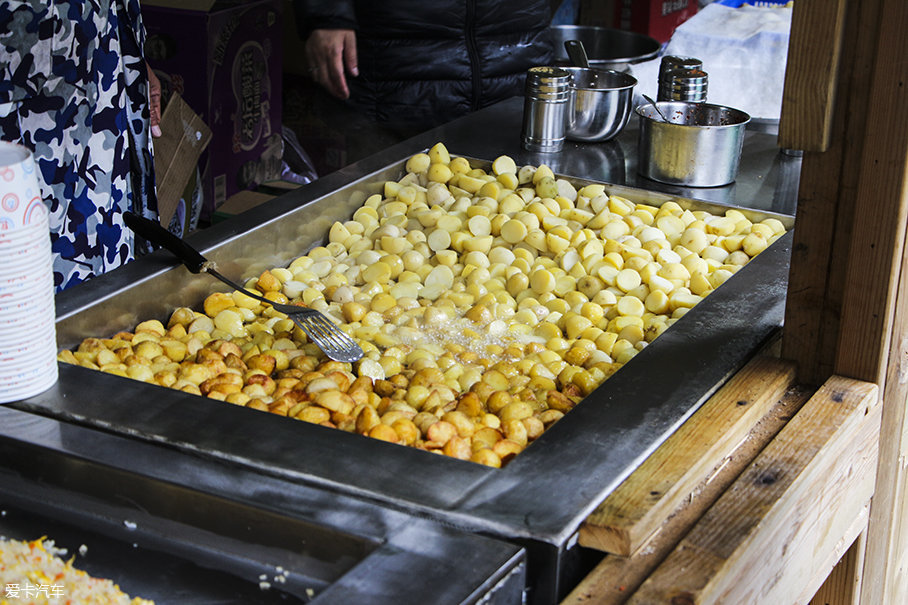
x=539 y=500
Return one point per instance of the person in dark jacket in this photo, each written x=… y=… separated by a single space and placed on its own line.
x=413 y=65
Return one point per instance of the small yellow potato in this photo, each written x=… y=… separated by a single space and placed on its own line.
x=754 y=243
x=460 y=165
x=546 y=187
x=627 y=279
x=439 y=173
x=694 y=240
x=504 y=164
x=419 y=162
x=438 y=154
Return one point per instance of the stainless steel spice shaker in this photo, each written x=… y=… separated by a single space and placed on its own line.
x=675 y=81
x=687 y=85
x=545 y=105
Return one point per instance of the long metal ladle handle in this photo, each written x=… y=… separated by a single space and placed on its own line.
x=576 y=53
x=189 y=256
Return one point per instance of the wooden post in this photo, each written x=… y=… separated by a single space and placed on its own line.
x=850 y=258
x=812 y=74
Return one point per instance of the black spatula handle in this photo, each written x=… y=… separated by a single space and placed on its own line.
x=156 y=234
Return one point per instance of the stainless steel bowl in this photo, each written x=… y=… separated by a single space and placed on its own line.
x=599 y=105
x=606 y=48
x=699 y=146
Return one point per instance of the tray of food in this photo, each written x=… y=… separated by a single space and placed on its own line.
x=541 y=334
x=490 y=302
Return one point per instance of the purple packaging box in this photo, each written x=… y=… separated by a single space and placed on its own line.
x=224 y=58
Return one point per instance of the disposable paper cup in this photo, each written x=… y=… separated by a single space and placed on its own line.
x=35 y=296
x=25 y=312
x=26 y=361
x=15 y=328
x=37 y=276
x=31 y=385
x=20 y=194
x=26 y=343
x=33 y=279
x=16 y=240
x=26 y=357
x=39 y=231
x=28 y=353
x=25 y=318
x=28 y=338
x=29 y=367
x=25 y=254
x=27 y=389
x=17 y=267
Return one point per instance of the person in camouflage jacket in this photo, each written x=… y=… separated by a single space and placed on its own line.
x=74 y=89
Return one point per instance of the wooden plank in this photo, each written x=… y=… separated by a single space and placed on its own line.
x=635 y=511
x=874 y=324
x=881 y=210
x=810 y=77
x=616 y=578
x=828 y=188
x=775 y=535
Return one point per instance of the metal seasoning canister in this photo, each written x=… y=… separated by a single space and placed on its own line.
x=687 y=85
x=682 y=79
x=545 y=105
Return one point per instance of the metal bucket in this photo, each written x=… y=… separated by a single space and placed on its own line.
x=700 y=145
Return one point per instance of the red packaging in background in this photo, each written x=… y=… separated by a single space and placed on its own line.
x=655 y=18
x=224 y=58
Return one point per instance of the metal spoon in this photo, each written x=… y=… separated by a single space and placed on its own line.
x=577 y=53
x=656 y=107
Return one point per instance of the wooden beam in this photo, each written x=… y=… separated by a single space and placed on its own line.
x=874 y=324
x=881 y=209
x=811 y=74
x=636 y=510
x=824 y=217
x=776 y=534
x=616 y=578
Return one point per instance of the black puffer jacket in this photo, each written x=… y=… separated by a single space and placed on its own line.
x=426 y=62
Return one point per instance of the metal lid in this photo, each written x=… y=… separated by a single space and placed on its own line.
x=548 y=82
x=547 y=76
x=670 y=62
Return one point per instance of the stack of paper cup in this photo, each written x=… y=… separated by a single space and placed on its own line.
x=28 y=344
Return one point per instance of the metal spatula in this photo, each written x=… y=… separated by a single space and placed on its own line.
x=320 y=330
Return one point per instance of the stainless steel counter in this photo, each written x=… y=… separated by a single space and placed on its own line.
x=184 y=531
x=539 y=500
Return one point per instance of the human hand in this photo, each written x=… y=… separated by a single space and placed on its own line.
x=331 y=53
x=154 y=102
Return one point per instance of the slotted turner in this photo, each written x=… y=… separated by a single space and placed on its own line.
x=320 y=330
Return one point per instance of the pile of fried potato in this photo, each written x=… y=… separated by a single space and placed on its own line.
x=488 y=304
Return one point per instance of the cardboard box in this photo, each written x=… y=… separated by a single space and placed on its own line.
x=224 y=58
x=184 y=137
x=655 y=18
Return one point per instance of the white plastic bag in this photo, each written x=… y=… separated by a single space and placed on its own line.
x=744 y=51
